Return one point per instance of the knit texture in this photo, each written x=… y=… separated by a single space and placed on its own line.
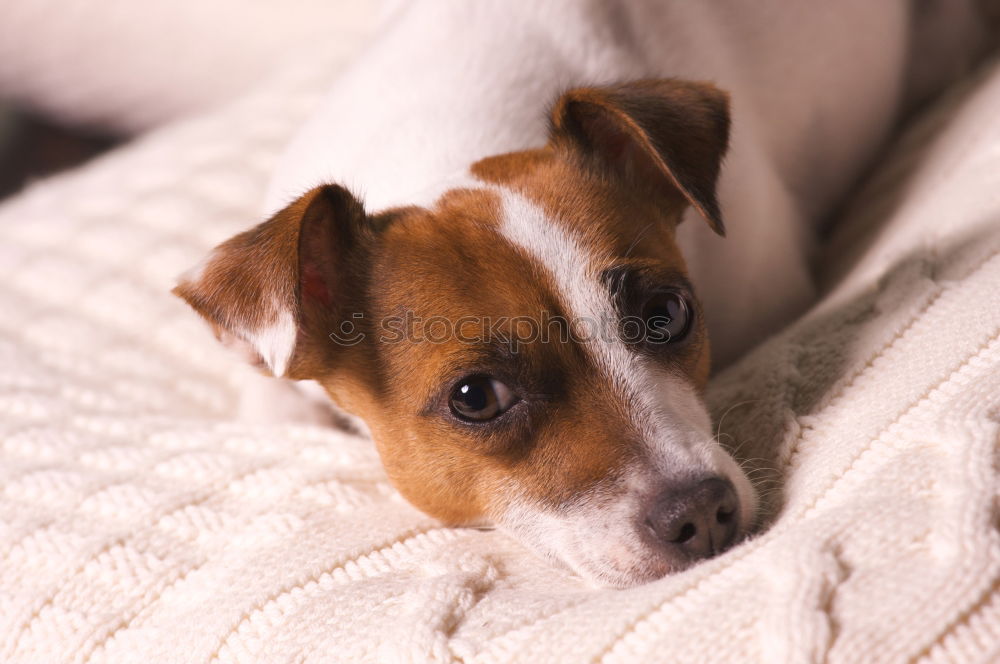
x=139 y=522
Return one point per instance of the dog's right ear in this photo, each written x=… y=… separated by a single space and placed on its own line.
x=667 y=135
x=277 y=291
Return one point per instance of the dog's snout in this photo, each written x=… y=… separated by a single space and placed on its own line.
x=696 y=520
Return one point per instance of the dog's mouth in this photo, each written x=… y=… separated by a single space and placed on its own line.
x=629 y=557
x=633 y=537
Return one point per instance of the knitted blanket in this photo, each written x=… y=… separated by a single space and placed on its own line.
x=139 y=522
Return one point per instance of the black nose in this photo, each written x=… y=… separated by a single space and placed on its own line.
x=696 y=520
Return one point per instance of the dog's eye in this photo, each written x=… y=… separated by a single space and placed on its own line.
x=480 y=398
x=667 y=316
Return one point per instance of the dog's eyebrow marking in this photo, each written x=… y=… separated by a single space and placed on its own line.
x=578 y=281
x=526 y=226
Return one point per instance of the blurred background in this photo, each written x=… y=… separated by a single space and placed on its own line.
x=32 y=147
x=77 y=78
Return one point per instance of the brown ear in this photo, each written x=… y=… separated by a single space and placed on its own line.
x=278 y=290
x=667 y=135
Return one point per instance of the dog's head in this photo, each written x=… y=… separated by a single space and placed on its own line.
x=528 y=350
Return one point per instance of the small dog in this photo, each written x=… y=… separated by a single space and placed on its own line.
x=512 y=311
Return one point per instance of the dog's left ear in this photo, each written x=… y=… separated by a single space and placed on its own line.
x=275 y=292
x=667 y=135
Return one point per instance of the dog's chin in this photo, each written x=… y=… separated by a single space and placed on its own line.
x=606 y=554
x=618 y=565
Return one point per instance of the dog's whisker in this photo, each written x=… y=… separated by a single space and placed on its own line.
x=760 y=471
x=638 y=237
x=722 y=419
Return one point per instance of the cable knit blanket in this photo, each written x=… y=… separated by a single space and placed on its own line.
x=140 y=523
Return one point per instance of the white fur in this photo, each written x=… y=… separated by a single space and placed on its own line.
x=274 y=342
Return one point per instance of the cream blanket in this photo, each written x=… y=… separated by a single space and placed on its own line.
x=140 y=523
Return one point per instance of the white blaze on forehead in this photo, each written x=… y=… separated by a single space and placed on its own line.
x=575 y=269
x=526 y=226
x=572 y=267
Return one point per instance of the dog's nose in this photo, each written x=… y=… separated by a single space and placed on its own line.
x=696 y=520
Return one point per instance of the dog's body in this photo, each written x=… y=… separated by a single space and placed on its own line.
x=590 y=472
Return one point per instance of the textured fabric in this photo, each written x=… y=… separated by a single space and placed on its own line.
x=140 y=522
x=127 y=65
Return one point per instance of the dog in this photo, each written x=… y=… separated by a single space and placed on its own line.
x=561 y=397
